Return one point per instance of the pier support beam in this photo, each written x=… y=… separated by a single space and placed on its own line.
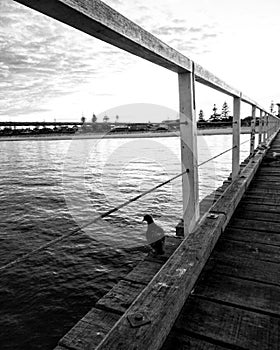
x=188 y=151
x=236 y=137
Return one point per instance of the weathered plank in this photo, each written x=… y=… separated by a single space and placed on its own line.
x=253 y=250
x=257 y=216
x=266 y=180
x=89 y=331
x=266 y=199
x=236 y=124
x=188 y=135
x=228 y=202
x=247 y=235
x=259 y=297
x=230 y=326
x=180 y=341
x=143 y=272
x=258 y=200
x=167 y=291
x=257 y=207
x=254 y=224
x=245 y=268
x=266 y=189
x=120 y=297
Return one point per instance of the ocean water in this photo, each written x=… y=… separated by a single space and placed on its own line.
x=49 y=188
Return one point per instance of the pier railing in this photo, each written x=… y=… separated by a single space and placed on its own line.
x=163 y=299
x=99 y=20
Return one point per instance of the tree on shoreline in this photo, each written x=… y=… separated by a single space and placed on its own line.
x=225 y=111
x=106 y=119
x=201 y=117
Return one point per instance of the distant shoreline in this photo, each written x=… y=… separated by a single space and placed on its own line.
x=77 y=136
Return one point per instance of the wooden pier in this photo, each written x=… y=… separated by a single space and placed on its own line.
x=230 y=293
x=218 y=288
x=235 y=302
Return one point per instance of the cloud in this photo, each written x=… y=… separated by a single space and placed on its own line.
x=42 y=59
x=169 y=30
x=209 y=35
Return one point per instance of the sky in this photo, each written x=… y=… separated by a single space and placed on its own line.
x=50 y=71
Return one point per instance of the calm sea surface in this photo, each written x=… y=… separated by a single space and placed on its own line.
x=49 y=188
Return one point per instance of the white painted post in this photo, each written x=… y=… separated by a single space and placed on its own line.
x=188 y=151
x=269 y=126
x=265 y=128
x=236 y=137
x=253 y=130
x=260 y=127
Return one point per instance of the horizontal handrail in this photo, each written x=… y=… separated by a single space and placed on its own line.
x=101 y=21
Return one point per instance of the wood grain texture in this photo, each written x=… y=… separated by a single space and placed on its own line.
x=248 y=235
x=244 y=268
x=257 y=296
x=89 y=331
x=120 y=297
x=163 y=298
x=253 y=250
x=181 y=341
x=229 y=325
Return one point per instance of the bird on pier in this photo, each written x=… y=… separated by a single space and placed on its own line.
x=154 y=235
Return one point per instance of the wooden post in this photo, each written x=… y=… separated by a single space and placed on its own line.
x=253 y=130
x=236 y=137
x=269 y=126
x=260 y=127
x=265 y=128
x=188 y=151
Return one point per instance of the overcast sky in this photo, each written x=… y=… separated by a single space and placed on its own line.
x=51 y=71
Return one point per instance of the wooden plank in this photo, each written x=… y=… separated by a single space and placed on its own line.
x=229 y=200
x=245 y=268
x=252 y=250
x=177 y=340
x=167 y=291
x=143 y=272
x=258 y=200
x=233 y=327
x=265 y=199
x=265 y=179
x=247 y=235
x=236 y=137
x=257 y=216
x=120 y=297
x=89 y=331
x=263 y=191
x=258 y=207
x=188 y=135
x=256 y=296
x=261 y=120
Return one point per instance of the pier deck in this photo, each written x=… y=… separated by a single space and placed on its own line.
x=235 y=303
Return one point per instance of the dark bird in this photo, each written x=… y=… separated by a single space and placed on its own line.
x=154 y=235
